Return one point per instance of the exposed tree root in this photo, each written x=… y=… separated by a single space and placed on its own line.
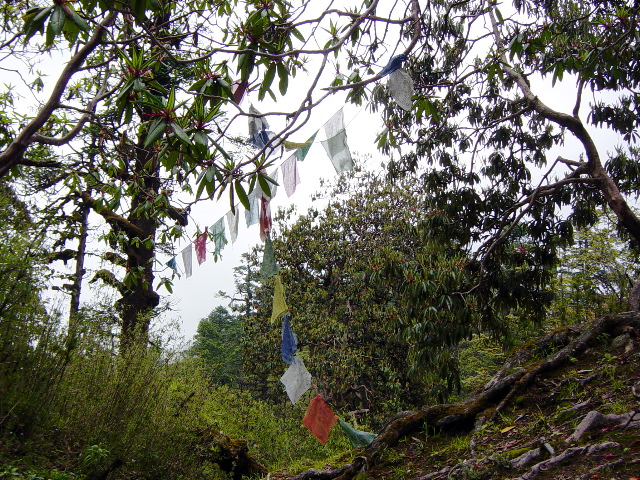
x=516 y=374
x=567 y=454
x=595 y=419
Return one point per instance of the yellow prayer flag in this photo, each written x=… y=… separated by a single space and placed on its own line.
x=279 y=304
x=295 y=145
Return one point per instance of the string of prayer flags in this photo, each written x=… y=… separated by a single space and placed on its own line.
x=269 y=267
x=279 y=304
x=301 y=153
x=289 y=341
x=200 y=245
x=357 y=438
x=336 y=143
x=186 y=260
x=232 y=220
x=296 y=380
x=319 y=419
x=401 y=88
x=290 y=177
x=219 y=238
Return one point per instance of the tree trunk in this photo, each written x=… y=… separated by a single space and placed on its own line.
x=74 y=303
x=139 y=299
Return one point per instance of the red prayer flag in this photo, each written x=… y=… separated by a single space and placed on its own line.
x=265 y=218
x=319 y=419
x=200 y=245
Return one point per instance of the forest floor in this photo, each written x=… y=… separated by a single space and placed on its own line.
x=565 y=407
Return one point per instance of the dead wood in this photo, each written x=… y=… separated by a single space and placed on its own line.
x=515 y=375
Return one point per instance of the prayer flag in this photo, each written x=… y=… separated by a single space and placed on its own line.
x=258 y=134
x=252 y=215
x=219 y=238
x=172 y=264
x=200 y=245
x=394 y=64
x=290 y=177
x=401 y=88
x=269 y=266
x=186 y=260
x=338 y=152
x=279 y=304
x=232 y=220
x=265 y=218
x=301 y=153
x=295 y=145
x=239 y=88
x=296 y=380
x=336 y=143
x=289 y=341
x=357 y=438
x=319 y=419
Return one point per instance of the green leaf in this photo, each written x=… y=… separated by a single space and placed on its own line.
x=57 y=20
x=179 y=132
x=34 y=21
x=156 y=130
x=264 y=185
x=269 y=76
x=296 y=33
x=242 y=195
x=283 y=73
x=80 y=22
x=201 y=138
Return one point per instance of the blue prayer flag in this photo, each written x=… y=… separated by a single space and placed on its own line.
x=289 y=341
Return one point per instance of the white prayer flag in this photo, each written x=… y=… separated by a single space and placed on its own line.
x=232 y=221
x=296 y=380
x=290 y=177
x=336 y=143
x=187 y=260
x=401 y=88
x=252 y=216
x=338 y=151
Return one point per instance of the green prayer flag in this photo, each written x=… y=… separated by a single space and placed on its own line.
x=269 y=266
x=357 y=438
x=279 y=304
x=302 y=152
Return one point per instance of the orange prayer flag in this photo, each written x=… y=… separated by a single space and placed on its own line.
x=319 y=419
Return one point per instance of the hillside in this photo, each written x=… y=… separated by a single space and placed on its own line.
x=564 y=406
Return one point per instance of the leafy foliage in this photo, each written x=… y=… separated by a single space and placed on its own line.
x=218 y=343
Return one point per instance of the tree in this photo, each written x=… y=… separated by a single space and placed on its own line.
x=486 y=136
x=594 y=276
x=218 y=343
x=143 y=103
x=346 y=317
